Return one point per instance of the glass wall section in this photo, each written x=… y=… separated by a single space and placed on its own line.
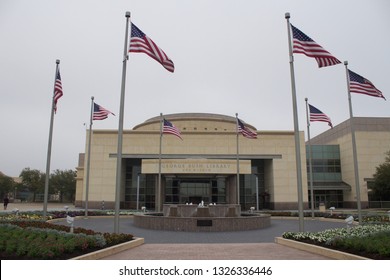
x=171 y=190
x=248 y=187
x=145 y=184
x=130 y=186
x=330 y=198
x=326 y=167
x=218 y=190
x=150 y=190
x=195 y=191
x=325 y=163
x=187 y=190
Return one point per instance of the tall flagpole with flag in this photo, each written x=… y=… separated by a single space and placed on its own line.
x=88 y=158
x=139 y=43
x=166 y=127
x=247 y=133
x=159 y=164
x=56 y=95
x=97 y=113
x=238 y=162
x=355 y=163
x=360 y=85
x=315 y=115
x=120 y=129
x=296 y=129
x=310 y=161
x=305 y=45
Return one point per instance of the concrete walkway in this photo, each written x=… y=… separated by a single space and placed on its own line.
x=172 y=245
x=38 y=207
x=221 y=251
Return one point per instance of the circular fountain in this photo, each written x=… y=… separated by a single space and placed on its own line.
x=186 y=217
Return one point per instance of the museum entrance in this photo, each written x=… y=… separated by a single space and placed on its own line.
x=195 y=190
x=180 y=188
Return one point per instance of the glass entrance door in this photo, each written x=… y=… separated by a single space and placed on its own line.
x=195 y=191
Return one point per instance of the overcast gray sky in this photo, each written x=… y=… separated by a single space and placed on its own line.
x=230 y=57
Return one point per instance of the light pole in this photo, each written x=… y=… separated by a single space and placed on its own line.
x=138 y=175
x=257 y=192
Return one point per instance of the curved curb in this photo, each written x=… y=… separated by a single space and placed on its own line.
x=333 y=254
x=111 y=250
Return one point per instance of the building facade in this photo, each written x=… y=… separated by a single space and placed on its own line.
x=204 y=166
x=333 y=157
x=325 y=175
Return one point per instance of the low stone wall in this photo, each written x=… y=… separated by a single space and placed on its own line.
x=333 y=254
x=112 y=250
x=206 y=224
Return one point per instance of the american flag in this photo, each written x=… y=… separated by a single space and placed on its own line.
x=359 y=84
x=246 y=132
x=141 y=43
x=57 y=89
x=317 y=116
x=100 y=113
x=169 y=128
x=305 y=45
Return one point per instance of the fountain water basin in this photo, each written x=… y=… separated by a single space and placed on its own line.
x=183 y=217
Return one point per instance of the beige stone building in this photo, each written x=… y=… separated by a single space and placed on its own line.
x=372 y=142
x=203 y=166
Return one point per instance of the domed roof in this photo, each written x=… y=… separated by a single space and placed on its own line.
x=181 y=120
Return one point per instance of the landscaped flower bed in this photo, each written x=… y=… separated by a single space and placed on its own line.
x=24 y=239
x=371 y=241
x=38 y=215
x=375 y=217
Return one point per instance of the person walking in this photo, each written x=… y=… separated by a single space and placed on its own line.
x=6 y=201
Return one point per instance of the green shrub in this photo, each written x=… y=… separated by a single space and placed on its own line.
x=38 y=215
x=25 y=240
x=375 y=243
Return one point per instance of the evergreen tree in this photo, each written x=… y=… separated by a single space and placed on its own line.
x=381 y=186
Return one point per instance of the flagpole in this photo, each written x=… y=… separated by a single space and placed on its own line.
x=310 y=161
x=296 y=129
x=238 y=163
x=355 y=162
x=159 y=165
x=120 y=129
x=46 y=193
x=88 y=160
